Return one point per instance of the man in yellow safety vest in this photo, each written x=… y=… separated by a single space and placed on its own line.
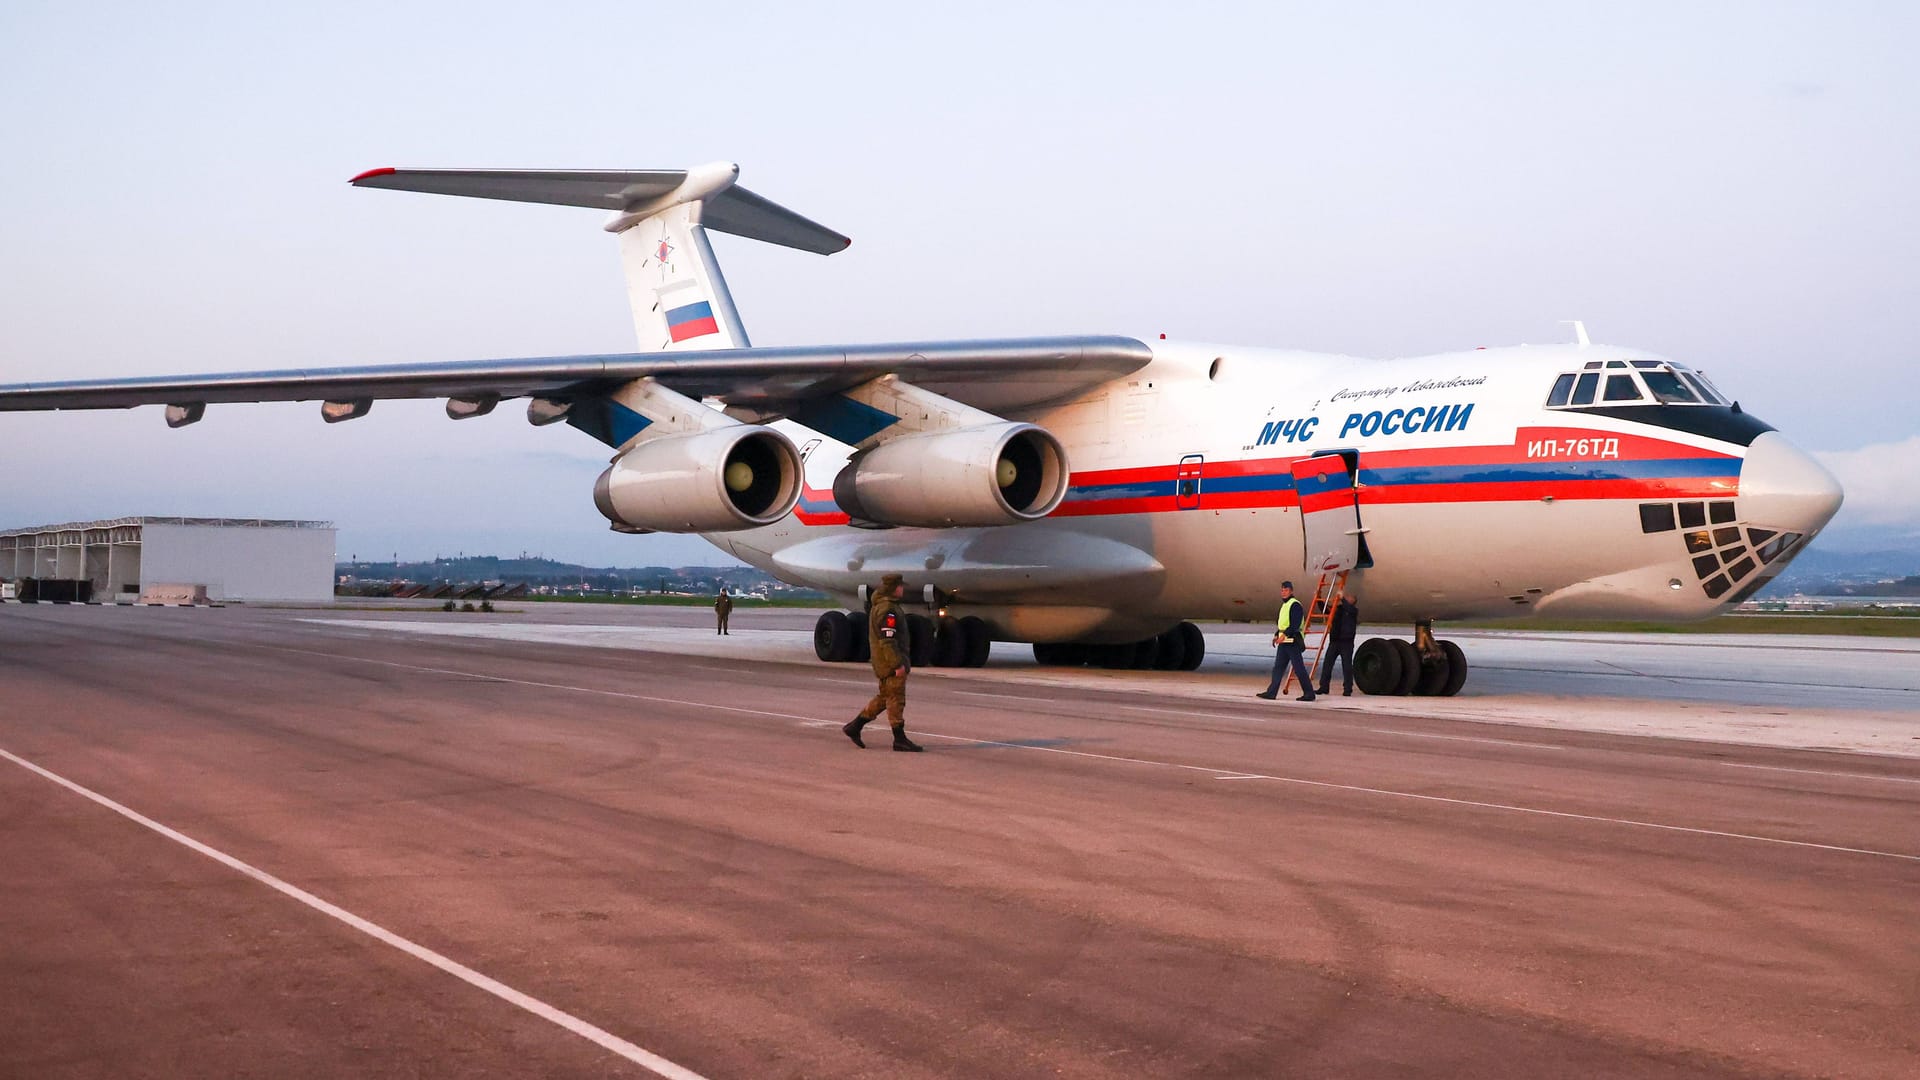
x=1290 y=646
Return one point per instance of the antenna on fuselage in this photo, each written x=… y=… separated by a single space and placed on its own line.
x=1579 y=330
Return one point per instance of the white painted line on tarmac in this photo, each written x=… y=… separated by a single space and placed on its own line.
x=598 y=1036
x=1328 y=785
x=1826 y=772
x=1022 y=699
x=1249 y=776
x=1466 y=738
x=1389 y=792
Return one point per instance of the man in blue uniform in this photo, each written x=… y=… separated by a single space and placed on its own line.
x=1290 y=646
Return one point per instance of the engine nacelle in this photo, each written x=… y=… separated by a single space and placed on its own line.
x=736 y=477
x=998 y=474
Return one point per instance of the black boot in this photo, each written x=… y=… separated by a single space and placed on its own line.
x=852 y=730
x=904 y=744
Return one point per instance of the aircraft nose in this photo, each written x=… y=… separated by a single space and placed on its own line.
x=1782 y=486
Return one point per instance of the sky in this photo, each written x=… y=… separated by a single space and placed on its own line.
x=1729 y=184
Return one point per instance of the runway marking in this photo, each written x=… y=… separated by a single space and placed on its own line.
x=1023 y=699
x=1390 y=793
x=1249 y=776
x=1826 y=772
x=1466 y=738
x=1326 y=784
x=598 y=1036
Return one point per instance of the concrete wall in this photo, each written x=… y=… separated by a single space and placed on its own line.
x=237 y=563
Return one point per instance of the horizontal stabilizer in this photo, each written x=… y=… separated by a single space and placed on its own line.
x=734 y=210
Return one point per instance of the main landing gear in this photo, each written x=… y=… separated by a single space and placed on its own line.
x=1424 y=666
x=1179 y=649
x=841 y=636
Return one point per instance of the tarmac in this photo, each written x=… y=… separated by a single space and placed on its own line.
x=566 y=841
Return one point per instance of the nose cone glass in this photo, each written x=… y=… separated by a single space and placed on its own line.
x=1782 y=486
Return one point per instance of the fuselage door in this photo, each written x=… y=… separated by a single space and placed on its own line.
x=1329 y=512
x=1186 y=483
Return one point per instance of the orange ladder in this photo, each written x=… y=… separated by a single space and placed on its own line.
x=1333 y=584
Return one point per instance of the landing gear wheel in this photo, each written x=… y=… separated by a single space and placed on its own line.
x=1111 y=657
x=920 y=640
x=862 y=648
x=1195 y=649
x=1409 y=666
x=1456 y=669
x=833 y=637
x=978 y=637
x=1146 y=654
x=1060 y=654
x=1173 y=651
x=1376 y=667
x=1433 y=676
x=949 y=644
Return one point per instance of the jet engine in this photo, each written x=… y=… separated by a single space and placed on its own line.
x=998 y=474
x=736 y=477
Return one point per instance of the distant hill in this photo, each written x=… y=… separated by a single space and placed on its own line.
x=1822 y=572
x=539 y=572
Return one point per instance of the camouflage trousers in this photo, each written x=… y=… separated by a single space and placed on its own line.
x=892 y=697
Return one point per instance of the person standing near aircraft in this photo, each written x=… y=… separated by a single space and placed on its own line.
x=889 y=640
x=1346 y=622
x=1290 y=646
x=722 y=607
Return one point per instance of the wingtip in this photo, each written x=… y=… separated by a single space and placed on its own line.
x=370 y=173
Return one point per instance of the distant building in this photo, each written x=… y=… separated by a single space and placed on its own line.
x=231 y=558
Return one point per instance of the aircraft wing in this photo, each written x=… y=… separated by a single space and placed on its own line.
x=990 y=375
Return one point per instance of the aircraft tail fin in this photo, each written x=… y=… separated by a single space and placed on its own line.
x=661 y=216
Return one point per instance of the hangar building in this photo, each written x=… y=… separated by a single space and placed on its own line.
x=233 y=558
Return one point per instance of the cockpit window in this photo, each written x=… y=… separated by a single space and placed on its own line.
x=1622 y=381
x=1583 y=390
x=1622 y=388
x=1562 y=388
x=1707 y=392
x=1667 y=388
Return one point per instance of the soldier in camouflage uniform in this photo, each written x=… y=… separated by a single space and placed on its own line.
x=889 y=637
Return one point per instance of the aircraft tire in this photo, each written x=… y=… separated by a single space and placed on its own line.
x=1111 y=657
x=920 y=640
x=977 y=637
x=1195 y=649
x=833 y=637
x=1173 y=651
x=1456 y=669
x=862 y=648
x=1409 y=666
x=1049 y=654
x=1146 y=654
x=1376 y=667
x=1433 y=675
x=949 y=644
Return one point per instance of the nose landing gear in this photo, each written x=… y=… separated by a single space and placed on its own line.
x=1425 y=666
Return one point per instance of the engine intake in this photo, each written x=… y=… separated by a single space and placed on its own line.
x=730 y=478
x=1000 y=474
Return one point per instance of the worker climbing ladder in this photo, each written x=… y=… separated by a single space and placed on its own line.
x=1333 y=582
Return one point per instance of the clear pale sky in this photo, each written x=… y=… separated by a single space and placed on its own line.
x=1729 y=184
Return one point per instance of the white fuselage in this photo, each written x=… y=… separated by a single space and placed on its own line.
x=1475 y=498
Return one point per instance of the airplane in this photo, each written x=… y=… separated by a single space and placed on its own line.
x=1093 y=496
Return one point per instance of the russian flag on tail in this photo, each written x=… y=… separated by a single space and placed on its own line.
x=692 y=321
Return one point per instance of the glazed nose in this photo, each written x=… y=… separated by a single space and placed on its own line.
x=1782 y=486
